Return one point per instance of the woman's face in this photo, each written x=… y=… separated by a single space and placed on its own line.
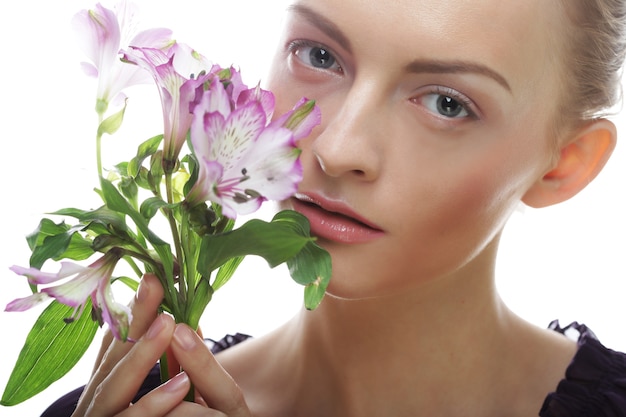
x=435 y=120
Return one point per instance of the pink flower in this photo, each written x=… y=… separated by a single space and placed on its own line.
x=92 y=281
x=243 y=160
x=101 y=32
x=178 y=71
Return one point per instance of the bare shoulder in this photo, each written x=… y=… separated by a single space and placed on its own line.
x=541 y=357
x=262 y=368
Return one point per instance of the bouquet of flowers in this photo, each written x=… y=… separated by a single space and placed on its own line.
x=221 y=153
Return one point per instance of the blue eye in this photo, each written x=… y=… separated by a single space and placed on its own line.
x=447 y=104
x=314 y=55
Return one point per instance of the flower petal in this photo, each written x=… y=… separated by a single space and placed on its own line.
x=116 y=315
x=35 y=276
x=98 y=33
x=302 y=119
x=264 y=97
x=209 y=173
x=188 y=62
x=240 y=131
x=23 y=304
x=158 y=38
x=276 y=174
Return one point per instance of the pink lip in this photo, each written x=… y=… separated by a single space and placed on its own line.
x=334 y=220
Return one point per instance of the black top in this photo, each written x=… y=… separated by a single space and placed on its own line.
x=594 y=383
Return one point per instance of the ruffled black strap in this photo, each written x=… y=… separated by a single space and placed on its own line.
x=594 y=383
x=227 y=341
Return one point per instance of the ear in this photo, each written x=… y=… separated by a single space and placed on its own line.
x=580 y=161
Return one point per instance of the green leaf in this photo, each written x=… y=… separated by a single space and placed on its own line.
x=311 y=267
x=226 y=271
x=57 y=241
x=202 y=296
x=192 y=166
x=133 y=284
x=151 y=206
x=115 y=201
x=78 y=249
x=311 y=263
x=313 y=294
x=52 y=247
x=52 y=348
x=102 y=215
x=275 y=241
x=143 y=178
x=156 y=165
x=112 y=123
x=295 y=220
x=146 y=149
x=45 y=228
x=129 y=188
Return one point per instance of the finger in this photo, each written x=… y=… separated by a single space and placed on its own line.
x=144 y=309
x=189 y=409
x=145 y=305
x=107 y=339
x=118 y=389
x=161 y=400
x=215 y=385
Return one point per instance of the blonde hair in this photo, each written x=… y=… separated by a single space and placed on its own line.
x=593 y=58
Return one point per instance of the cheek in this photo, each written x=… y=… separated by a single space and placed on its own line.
x=485 y=193
x=477 y=206
x=457 y=213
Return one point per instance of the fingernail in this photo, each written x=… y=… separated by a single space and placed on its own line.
x=177 y=383
x=185 y=337
x=157 y=326
x=142 y=291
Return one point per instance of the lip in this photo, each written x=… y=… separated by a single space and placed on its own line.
x=334 y=220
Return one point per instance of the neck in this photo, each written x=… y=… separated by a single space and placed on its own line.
x=439 y=339
x=446 y=347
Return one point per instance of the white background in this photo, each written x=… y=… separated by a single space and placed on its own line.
x=565 y=262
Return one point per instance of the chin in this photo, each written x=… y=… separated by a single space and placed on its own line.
x=350 y=288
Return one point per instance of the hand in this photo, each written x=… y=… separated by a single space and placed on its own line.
x=122 y=367
x=215 y=388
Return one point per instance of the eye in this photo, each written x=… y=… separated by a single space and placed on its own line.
x=314 y=55
x=447 y=103
x=445 y=106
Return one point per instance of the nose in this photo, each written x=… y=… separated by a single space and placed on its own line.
x=351 y=141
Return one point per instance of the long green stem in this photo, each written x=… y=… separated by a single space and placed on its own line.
x=164 y=368
x=99 y=154
x=175 y=236
x=99 y=146
x=191 y=244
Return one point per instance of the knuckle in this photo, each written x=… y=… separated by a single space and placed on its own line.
x=97 y=400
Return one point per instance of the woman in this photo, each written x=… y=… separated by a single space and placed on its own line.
x=439 y=118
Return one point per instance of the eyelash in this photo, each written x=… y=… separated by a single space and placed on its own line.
x=296 y=46
x=463 y=101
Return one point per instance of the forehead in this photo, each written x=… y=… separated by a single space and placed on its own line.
x=515 y=38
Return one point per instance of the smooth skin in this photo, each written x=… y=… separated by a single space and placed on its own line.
x=122 y=367
x=412 y=324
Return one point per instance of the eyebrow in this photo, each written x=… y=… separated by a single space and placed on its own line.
x=426 y=66
x=323 y=24
x=456 y=67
